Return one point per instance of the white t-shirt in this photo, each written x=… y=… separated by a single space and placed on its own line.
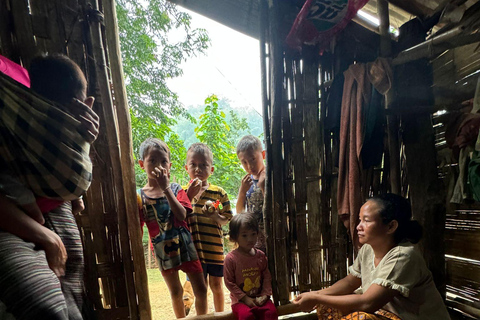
x=404 y=270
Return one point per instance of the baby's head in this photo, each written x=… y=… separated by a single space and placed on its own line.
x=154 y=152
x=58 y=78
x=199 y=161
x=241 y=223
x=251 y=155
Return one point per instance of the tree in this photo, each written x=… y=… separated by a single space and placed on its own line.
x=149 y=59
x=220 y=136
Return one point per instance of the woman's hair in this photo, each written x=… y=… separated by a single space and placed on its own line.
x=247 y=220
x=395 y=207
x=150 y=144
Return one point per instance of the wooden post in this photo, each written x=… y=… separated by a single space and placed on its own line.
x=300 y=180
x=392 y=121
x=279 y=219
x=126 y=157
x=109 y=117
x=268 y=197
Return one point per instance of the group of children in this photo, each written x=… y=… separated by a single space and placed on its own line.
x=185 y=227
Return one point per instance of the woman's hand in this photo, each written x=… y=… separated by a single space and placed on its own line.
x=248 y=301
x=307 y=301
x=55 y=252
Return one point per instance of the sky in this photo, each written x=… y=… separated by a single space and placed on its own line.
x=230 y=68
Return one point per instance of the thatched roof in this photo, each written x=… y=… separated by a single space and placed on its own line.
x=243 y=15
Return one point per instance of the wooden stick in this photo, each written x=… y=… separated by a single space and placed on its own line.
x=268 y=196
x=276 y=78
x=392 y=121
x=114 y=151
x=126 y=157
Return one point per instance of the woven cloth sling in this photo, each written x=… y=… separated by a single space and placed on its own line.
x=42 y=144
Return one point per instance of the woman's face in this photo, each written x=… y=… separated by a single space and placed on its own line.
x=371 y=229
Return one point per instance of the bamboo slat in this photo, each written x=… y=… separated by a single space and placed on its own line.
x=22 y=25
x=312 y=166
x=300 y=181
x=288 y=173
x=7 y=48
x=268 y=198
x=113 y=148
x=279 y=219
x=125 y=138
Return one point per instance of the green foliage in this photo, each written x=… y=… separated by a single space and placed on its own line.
x=220 y=136
x=149 y=59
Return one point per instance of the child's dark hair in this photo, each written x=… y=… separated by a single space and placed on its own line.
x=249 y=142
x=201 y=148
x=395 y=207
x=247 y=220
x=57 y=78
x=152 y=143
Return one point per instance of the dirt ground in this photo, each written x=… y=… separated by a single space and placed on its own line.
x=160 y=298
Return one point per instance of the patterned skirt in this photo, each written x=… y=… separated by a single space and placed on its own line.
x=326 y=313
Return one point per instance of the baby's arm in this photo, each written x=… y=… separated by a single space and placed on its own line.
x=13 y=189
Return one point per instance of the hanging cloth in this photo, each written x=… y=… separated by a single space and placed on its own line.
x=42 y=144
x=360 y=78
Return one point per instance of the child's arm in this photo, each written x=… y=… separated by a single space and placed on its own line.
x=15 y=190
x=163 y=180
x=242 y=193
x=261 y=181
x=266 y=286
x=220 y=216
x=194 y=188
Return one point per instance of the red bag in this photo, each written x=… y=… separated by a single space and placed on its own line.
x=320 y=20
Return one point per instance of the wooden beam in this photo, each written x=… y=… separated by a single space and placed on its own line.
x=412 y=7
x=392 y=120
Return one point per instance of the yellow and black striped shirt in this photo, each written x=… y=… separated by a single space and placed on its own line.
x=207 y=234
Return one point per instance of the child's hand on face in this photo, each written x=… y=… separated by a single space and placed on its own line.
x=246 y=184
x=194 y=188
x=260 y=301
x=248 y=301
x=162 y=176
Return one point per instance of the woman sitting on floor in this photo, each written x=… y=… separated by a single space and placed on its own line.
x=389 y=276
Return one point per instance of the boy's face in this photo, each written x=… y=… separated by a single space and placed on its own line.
x=198 y=166
x=155 y=158
x=252 y=161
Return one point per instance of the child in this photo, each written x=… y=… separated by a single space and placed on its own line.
x=164 y=207
x=246 y=272
x=250 y=195
x=206 y=226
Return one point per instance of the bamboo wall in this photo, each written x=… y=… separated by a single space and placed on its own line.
x=456 y=73
x=78 y=28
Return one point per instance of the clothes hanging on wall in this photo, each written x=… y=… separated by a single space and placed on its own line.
x=356 y=101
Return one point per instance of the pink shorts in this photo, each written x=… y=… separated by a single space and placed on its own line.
x=187 y=267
